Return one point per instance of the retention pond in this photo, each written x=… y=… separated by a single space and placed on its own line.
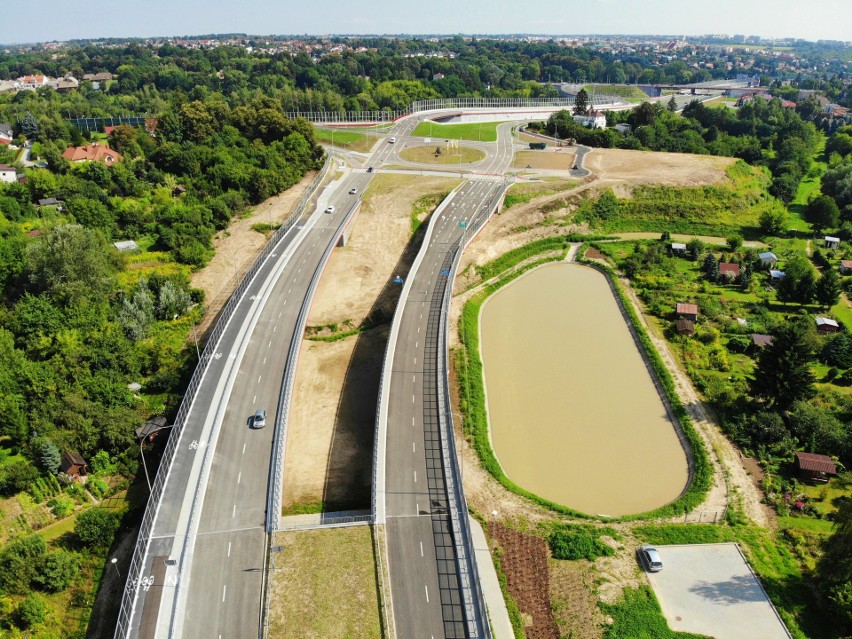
x=574 y=413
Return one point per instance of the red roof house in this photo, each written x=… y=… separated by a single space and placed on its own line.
x=687 y=311
x=729 y=270
x=92 y=153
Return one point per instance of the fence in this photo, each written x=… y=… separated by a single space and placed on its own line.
x=137 y=563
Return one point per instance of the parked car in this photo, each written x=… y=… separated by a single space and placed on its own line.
x=353 y=191
x=329 y=209
x=650 y=558
x=259 y=418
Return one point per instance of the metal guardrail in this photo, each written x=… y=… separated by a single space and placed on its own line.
x=137 y=563
x=276 y=471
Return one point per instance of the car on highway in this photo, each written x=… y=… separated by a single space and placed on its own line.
x=650 y=558
x=353 y=191
x=369 y=169
x=258 y=420
x=392 y=141
x=329 y=209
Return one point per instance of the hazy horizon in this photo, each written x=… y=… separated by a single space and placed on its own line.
x=59 y=20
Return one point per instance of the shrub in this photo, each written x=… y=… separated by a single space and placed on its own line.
x=61 y=506
x=18 y=563
x=57 y=571
x=577 y=542
x=96 y=527
x=31 y=612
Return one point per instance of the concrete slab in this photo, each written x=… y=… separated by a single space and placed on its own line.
x=497 y=613
x=710 y=589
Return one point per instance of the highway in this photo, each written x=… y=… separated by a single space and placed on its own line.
x=423 y=566
x=204 y=569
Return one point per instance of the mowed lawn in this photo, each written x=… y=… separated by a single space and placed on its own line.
x=324 y=585
x=352 y=140
x=475 y=131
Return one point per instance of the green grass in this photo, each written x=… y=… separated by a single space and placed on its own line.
x=621 y=90
x=474 y=131
x=808 y=187
x=423 y=207
x=638 y=616
x=521 y=193
x=305 y=508
x=684 y=534
x=806 y=523
x=843 y=313
x=342 y=138
x=518 y=255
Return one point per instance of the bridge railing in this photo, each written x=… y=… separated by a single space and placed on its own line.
x=476 y=614
x=137 y=562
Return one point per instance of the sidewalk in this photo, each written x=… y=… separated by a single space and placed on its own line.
x=494 y=601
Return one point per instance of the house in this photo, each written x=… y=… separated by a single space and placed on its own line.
x=846 y=267
x=759 y=341
x=8 y=174
x=831 y=242
x=150 y=430
x=729 y=270
x=768 y=259
x=6 y=133
x=827 y=325
x=66 y=84
x=51 y=201
x=678 y=248
x=73 y=464
x=623 y=127
x=776 y=275
x=813 y=467
x=126 y=245
x=33 y=81
x=687 y=311
x=438 y=76
x=685 y=327
x=592 y=120
x=92 y=153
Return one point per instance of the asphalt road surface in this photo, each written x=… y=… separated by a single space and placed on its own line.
x=424 y=578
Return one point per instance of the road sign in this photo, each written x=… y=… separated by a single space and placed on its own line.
x=398 y=280
x=445 y=271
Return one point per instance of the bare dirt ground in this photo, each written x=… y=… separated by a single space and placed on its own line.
x=332 y=417
x=557 y=159
x=238 y=245
x=649 y=167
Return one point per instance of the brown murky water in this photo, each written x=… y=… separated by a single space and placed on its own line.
x=574 y=414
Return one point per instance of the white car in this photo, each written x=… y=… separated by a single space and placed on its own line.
x=329 y=209
x=392 y=141
x=353 y=191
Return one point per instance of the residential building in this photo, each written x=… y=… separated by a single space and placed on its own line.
x=6 y=133
x=92 y=153
x=729 y=270
x=8 y=174
x=592 y=120
x=846 y=267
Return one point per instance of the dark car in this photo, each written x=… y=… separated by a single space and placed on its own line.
x=650 y=558
x=369 y=169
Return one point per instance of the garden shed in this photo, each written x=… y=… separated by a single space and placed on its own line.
x=687 y=311
x=831 y=242
x=813 y=467
x=768 y=258
x=827 y=325
x=685 y=327
x=73 y=464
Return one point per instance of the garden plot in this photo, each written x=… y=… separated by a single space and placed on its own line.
x=710 y=589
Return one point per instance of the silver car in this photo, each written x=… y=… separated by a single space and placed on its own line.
x=259 y=418
x=650 y=558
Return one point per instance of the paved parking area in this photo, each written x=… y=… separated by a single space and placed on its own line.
x=709 y=589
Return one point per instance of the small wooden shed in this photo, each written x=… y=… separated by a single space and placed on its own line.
x=813 y=467
x=827 y=325
x=685 y=327
x=73 y=464
x=759 y=341
x=687 y=311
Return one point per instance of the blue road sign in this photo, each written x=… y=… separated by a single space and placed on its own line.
x=398 y=280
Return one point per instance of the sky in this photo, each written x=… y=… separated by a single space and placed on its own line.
x=48 y=20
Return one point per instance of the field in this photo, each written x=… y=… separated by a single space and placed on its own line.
x=343 y=138
x=426 y=155
x=544 y=160
x=474 y=131
x=323 y=584
x=621 y=90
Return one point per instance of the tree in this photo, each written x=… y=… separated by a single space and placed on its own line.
x=672 y=104
x=783 y=374
x=19 y=562
x=834 y=570
x=96 y=527
x=838 y=350
x=581 y=103
x=822 y=213
x=711 y=267
x=57 y=571
x=817 y=429
x=49 y=456
x=828 y=288
x=799 y=282
x=694 y=248
x=29 y=127
x=735 y=242
x=773 y=219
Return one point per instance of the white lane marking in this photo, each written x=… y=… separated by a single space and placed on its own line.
x=229 y=549
x=417 y=506
x=239 y=477
x=264 y=360
x=416 y=344
x=225 y=589
x=274 y=328
x=421 y=548
x=254 y=400
x=418 y=329
x=414 y=379
x=412 y=447
x=425 y=586
x=415 y=476
x=234 y=511
x=270 y=344
x=244 y=449
x=412 y=399
x=289 y=290
x=415 y=360
x=279 y=314
x=259 y=378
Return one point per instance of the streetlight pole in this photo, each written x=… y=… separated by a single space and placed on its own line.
x=142 y=454
x=114 y=561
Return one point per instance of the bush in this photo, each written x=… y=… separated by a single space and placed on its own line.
x=19 y=562
x=61 y=506
x=577 y=542
x=96 y=527
x=31 y=612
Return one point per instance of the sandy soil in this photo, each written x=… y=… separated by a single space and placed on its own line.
x=332 y=416
x=646 y=167
x=557 y=159
x=238 y=245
